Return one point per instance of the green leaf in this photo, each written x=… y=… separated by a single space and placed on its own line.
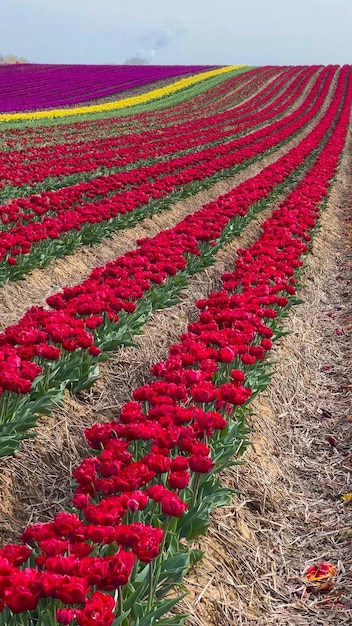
x=150 y=618
x=194 y=524
x=174 y=620
x=118 y=620
x=196 y=556
x=172 y=571
x=10 y=448
x=134 y=601
x=178 y=563
x=142 y=576
x=137 y=592
x=294 y=301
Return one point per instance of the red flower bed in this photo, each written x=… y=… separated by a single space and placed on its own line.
x=196 y=399
x=35 y=164
x=15 y=137
x=20 y=239
x=107 y=308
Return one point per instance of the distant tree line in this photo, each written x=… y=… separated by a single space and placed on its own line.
x=136 y=61
x=9 y=59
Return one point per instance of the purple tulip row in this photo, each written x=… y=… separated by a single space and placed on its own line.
x=30 y=87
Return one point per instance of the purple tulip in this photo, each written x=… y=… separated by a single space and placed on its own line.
x=32 y=87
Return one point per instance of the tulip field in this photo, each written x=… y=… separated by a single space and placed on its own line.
x=86 y=154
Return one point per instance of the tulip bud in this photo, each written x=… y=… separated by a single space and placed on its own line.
x=64 y=616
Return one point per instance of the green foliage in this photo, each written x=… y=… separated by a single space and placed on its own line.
x=10 y=59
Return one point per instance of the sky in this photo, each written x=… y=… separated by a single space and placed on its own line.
x=185 y=32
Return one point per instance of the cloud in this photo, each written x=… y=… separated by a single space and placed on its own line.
x=160 y=38
x=155 y=40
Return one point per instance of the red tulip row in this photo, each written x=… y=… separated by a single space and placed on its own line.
x=47 y=136
x=48 y=350
x=50 y=202
x=218 y=98
x=17 y=137
x=35 y=165
x=151 y=480
x=12 y=211
x=215 y=100
x=25 y=247
x=210 y=110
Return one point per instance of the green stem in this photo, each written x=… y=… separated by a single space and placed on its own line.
x=48 y=614
x=167 y=526
x=120 y=600
x=150 y=586
x=195 y=489
x=12 y=621
x=154 y=506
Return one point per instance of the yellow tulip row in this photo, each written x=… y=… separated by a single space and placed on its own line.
x=120 y=104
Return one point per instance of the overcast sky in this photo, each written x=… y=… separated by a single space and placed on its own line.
x=254 y=32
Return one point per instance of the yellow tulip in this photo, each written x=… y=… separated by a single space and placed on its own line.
x=120 y=104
